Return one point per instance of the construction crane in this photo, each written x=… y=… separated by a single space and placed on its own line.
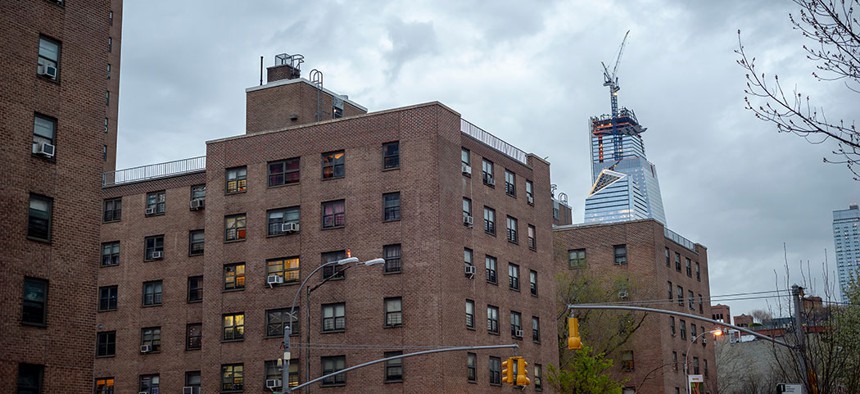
x=611 y=80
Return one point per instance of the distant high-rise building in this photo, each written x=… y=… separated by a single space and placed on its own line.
x=846 y=237
x=625 y=183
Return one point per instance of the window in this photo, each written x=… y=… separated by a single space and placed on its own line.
x=691 y=300
x=465 y=157
x=283 y=221
x=153 y=248
x=620 y=254
x=232 y=377
x=467 y=258
x=192 y=379
x=284 y=172
x=698 y=272
x=107 y=122
x=680 y=296
x=49 y=57
x=195 y=288
x=467 y=210
x=693 y=333
x=152 y=293
x=391 y=206
x=151 y=337
x=672 y=325
x=331 y=365
x=107 y=298
x=106 y=343
x=492 y=319
x=532 y=241
x=675 y=361
x=198 y=192
x=35 y=302
x=576 y=258
x=535 y=329
x=39 y=222
x=149 y=384
x=706 y=367
x=234 y=276
x=104 y=152
x=44 y=131
x=273 y=371
x=668 y=259
x=333 y=214
x=193 y=336
x=516 y=324
x=701 y=300
x=470 y=314
x=236 y=180
x=334 y=317
x=670 y=290
x=677 y=262
x=689 y=267
x=112 y=210
x=393 y=368
x=513 y=277
x=391 y=254
x=533 y=287
x=627 y=361
x=490 y=263
x=234 y=227
x=530 y=193
x=512 y=230
x=104 y=385
x=108 y=71
x=489 y=220
x=155 y=203
x=110 y=44
x=510 y=183
x=333 y=165
x=695 y=365
x=277 y=318
x=30 y=378
x=234 y=326
x=287 y=268
x=196 y=242
x=391 y=155
x=538 y=382
x=107 y=98
x=333 y=271
x=110 y=254
x=393 y=312
x=495 y=371
x=472 y=367
x=487 y=172
x=683 y=329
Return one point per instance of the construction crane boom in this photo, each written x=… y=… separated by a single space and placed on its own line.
x=611 y=80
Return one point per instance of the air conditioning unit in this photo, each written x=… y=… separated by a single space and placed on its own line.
x=290 y=227
x=145 y=348
x=197 y=203
x=150 y=211
x=48 y=71
x=623 y=294
x=470 y=270
x=46 y=149
x=467 y=169
x=467 y=220
x=530 y=199
x=488 y=179
x=157 y=255
x=191 y=390
x=518 y=333
x=273 y=383
x=274 y=280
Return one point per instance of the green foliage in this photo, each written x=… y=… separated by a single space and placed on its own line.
x=584 y=372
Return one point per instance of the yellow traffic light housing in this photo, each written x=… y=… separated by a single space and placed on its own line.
x=508 y=370
x=522 y=372
x=574 y=342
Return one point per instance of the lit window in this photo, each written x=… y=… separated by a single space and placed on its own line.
x=103 y=386
x=234 y=326
x=286 y=268
x=232 y=377
x=333 y=165
x=234 y=227
x=234 y=276
x=236 y=180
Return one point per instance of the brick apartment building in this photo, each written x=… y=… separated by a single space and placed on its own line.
x=656 y=265
x=184 y=299
x=57 y=122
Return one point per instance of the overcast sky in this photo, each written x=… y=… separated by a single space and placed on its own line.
x=530 y=73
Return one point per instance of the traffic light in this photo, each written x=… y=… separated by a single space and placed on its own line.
x=574 y=342
x=508 y=370
x=522 y=372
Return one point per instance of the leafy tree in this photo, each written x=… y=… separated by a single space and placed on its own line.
x=584 y=372
x=835 y=31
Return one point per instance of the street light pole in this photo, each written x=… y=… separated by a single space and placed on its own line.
x=716 y=332
x=288 y=328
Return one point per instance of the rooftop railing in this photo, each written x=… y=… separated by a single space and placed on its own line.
x=493 y=141
x=678 y=239
x=154 y=171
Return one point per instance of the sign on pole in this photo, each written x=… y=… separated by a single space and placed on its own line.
x=695 y=383
x=789 y=388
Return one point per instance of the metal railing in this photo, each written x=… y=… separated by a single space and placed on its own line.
x=679 y=239
x=154 y=171
x=493 y=141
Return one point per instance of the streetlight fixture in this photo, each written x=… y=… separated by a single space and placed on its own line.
x=717 y=332
x=288 y=328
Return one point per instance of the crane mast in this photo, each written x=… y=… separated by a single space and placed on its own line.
x=611 y=80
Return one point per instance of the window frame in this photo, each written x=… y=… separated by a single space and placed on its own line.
x=530 y=192
x=153 y=293
x=393 y=255
x=157 y=242
x=516 y=324
x=196 y=247
x=239 y=227
x=535 y=329
x=235 y=327
x=112 y=210
x=337 y=321
x=108 y=296
x=110 y=254
x=489 y=220
x=533 y=282
x=289 y=174
x=236 y=280
x=620 y=254
x=148 y=382
x=195 y=289
x=495 y=368
x=335 y=162
x=487 y=172
x=337 y=218
x=157 y=201
x=392 y=366
x=288 y=268
x=391 y=207
x=510 y=183
x=512 y=225
x=45 y=59
x=274 y=224
x=194 y=336
x=236 y=180
x=513 y=277
x=104 y=385
x=532 y=237
x=106 y=344
x=578 y=261
x=232 y=377
x=470 y=317
x=38 y=218
x=42 y=122
x=472 y=367
x=391 y=160
x=335 y=363
x=393 y=312
x=151 y=336
x=282 y=317
x=491 y=265
x=492 y=320
x=30 y=372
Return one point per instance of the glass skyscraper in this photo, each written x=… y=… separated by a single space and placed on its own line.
x=625 y=183
x=846 y=237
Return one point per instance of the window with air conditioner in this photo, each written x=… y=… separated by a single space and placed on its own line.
x=283 y=270
x=153 y=247
x=49 y=58
x=283 y=221
x=44 y=131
